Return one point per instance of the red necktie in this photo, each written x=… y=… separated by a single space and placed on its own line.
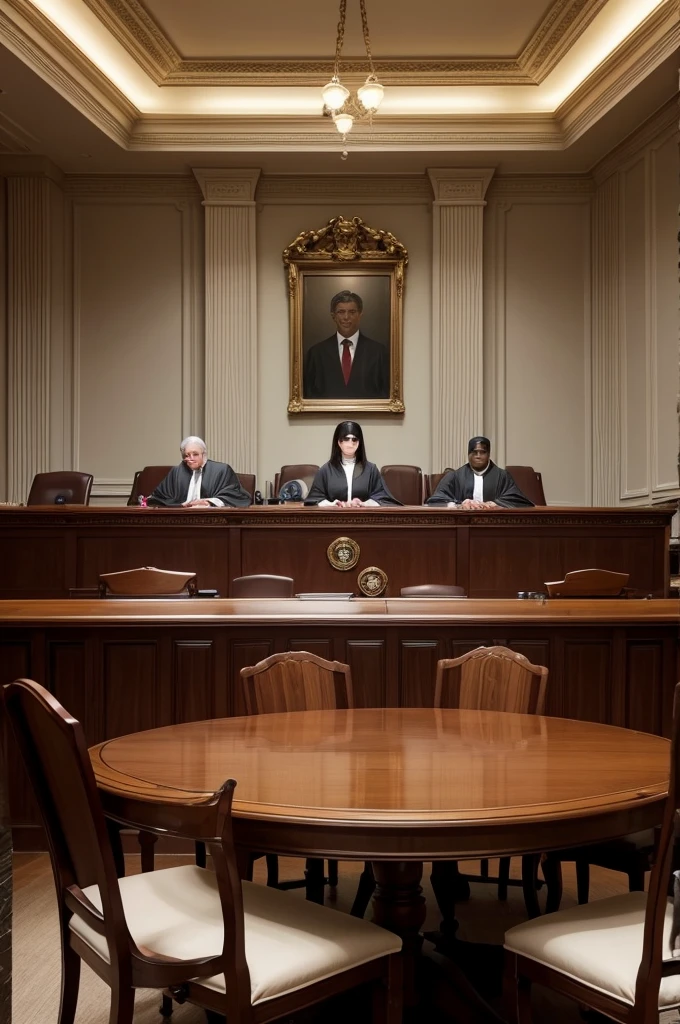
x=346 y=361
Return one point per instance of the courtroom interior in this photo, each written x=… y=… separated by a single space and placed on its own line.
x=339 y=530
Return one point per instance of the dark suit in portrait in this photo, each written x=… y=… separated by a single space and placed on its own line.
x=369 y=376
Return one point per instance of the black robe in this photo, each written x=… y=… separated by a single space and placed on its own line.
x=330 y=483
x=498 y=486
x=218 y=481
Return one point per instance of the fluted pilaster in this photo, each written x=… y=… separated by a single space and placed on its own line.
x=457 y=343
x=230 y=315
x=606 y=401
x=28 y=331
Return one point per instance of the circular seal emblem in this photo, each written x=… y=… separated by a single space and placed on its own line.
x=372 y=581
x=343 y=553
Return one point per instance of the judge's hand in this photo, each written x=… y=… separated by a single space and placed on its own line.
x=470 y=504
x=197 y=503
x=490 y=504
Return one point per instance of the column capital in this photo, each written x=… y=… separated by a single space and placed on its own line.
x=460 y=186
x=227 y=186
x=20 y=165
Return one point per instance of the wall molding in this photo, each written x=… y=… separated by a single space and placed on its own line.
x=320 y=189
x=665 y=119
x=539 y=187
x=132 y=186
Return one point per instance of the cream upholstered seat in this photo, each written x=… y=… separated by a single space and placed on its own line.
x=250 y=954
x=599 y=944
x=290 y=943
x=613 y=955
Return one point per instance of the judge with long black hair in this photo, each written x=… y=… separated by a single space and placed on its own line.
x=479 y=484
x=348 y=479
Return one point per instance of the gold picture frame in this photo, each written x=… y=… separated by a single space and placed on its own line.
x=345 y=255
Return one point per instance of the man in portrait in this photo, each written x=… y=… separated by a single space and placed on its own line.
x=348 y=364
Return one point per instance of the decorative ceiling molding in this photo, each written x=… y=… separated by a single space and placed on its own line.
x=33 y=38
x=142 y=37
x=413 y=189
x=460 y=186
x=536 y=131
x=644 y=50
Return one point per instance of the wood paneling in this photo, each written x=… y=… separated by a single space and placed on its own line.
x=122 y=667
x=493 y=554
x=129 y=680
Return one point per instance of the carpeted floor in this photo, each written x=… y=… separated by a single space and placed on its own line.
x=36 y=942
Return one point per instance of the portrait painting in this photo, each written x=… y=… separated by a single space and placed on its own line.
x=345 y=291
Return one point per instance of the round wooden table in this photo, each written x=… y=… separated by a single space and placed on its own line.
x=396 y=786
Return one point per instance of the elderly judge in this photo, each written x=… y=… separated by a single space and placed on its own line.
x=348 y=479
x=479 y=484
x=199 y=482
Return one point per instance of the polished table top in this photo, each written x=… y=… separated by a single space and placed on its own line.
x=368 y=770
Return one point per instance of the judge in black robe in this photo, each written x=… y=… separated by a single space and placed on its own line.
x=199 y=482
x=499 y=490
x=348 y=479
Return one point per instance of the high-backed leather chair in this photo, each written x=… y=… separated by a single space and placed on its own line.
x=432 y=481
x=51 y=488
x=301 y=472
x=529 y=482
x=247 y=482
x=147 y=480
x=405 y=483
x=262 y=586
x=433 y=590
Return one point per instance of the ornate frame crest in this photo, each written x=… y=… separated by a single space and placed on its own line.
x=351 y=249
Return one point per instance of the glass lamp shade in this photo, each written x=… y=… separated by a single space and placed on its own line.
x=371 y=94
x=334 y=94
x=343 y=122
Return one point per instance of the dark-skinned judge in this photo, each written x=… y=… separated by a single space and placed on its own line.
x=479 y=484
x=198 y=482
x=348 y=479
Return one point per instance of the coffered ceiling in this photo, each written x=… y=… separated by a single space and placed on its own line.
x=136 y=81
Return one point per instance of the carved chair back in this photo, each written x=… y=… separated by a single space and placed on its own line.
x=491 y=679
x=296 y=681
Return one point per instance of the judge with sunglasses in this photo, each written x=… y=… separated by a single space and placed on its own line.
x=348 y=479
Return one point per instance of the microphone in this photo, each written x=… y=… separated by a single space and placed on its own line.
x=60 y=499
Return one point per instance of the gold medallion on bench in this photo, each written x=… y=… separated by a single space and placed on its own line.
x=343 y=553
x=372 y=581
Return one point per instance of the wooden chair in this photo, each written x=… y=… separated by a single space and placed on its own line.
x=183 y=929
x=63 y=488
x=488 y=679
x=432 y=590
x=405 y=483
x=148 y=582
x=529 y=482
x=147 y=480
x=262 y=586
x=590 y=583
x=614 y=955
x=298 y=681
x=305 y=472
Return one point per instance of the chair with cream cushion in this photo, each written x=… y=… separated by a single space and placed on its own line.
x=241 y=950
x=614 y=955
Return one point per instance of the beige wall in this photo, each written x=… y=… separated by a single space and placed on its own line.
x=580 y=323
x=635 y=249
x=306 y=437
x=537 y=338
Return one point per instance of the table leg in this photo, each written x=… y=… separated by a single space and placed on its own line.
x=399 y=905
